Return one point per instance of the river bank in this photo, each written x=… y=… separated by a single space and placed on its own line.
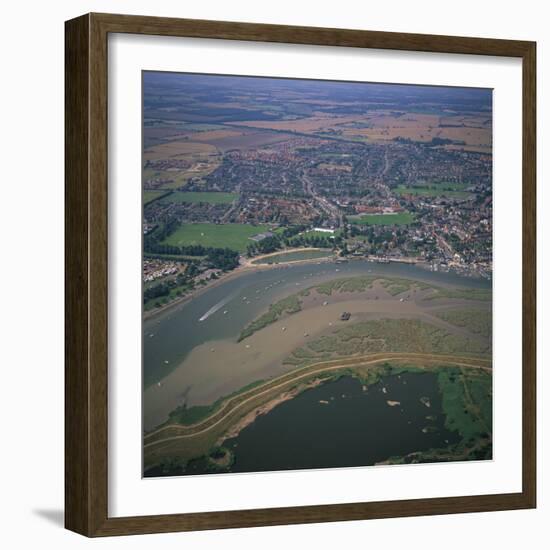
x=179 y=365
x=246 y=265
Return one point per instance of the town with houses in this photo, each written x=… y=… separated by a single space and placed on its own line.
x=237 y=179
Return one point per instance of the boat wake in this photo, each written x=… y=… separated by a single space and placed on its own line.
x=216 y=307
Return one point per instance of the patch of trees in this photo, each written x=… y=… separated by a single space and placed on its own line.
x=316 y=241
x=156 y=291
x=293 y=230
x=443 y=141
x=265 y=246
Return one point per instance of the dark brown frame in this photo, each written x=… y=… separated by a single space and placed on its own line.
x=86 y=427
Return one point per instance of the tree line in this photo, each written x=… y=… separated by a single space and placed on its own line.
x=218 y=258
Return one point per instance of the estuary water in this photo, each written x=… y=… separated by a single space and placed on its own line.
x=223 y=310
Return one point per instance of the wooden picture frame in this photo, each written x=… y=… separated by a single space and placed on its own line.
x=86 y=282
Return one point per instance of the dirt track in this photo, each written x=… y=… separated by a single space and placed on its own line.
x=278 y=384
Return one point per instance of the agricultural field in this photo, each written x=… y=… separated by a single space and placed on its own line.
x=248 y=139
x=197 y=197
x=301 y=125
x=201 y=159
x=401 y=218
x=473 y=133
x=233 y=235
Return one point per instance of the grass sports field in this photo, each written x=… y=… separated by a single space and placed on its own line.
x=439 y=189
x=194 y=197
x=231 y=235
x=402 y=218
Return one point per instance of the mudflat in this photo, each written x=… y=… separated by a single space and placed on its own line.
x=219 y=367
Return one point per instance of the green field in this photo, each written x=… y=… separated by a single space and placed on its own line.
x=402 y=218
x=231 y=235
x=213 y=197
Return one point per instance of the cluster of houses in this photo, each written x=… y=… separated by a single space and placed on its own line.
x=156 y=269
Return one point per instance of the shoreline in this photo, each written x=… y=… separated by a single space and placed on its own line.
x=243 y=268
x=314 y=370
x=266 y=408
x=247 y=266
x=283 y=390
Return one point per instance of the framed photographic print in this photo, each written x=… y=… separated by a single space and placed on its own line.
x=300 y=275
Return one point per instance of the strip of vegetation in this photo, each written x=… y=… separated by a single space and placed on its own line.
x=152 y=196
x=289 y=305
x=476 y=320
x=209 y=197
x=191 y=415
x=481 y=294
x=467 y=404
x=296 y=255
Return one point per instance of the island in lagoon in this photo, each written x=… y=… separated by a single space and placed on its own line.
x=317 y=275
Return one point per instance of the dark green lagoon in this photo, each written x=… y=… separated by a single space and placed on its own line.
x=355 y=428
x=339 y=424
